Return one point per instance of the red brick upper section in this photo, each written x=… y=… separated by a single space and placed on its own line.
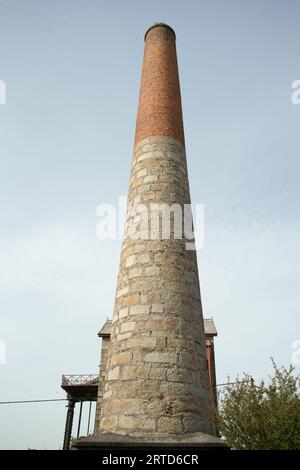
x=159 y=111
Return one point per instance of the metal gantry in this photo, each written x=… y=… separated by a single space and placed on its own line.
x=80 y=388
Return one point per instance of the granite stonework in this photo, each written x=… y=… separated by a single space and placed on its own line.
x=157 y=377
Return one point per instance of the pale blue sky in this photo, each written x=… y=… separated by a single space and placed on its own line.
x=72 y=71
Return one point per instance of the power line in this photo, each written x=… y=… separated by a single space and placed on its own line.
x=65 y=399
x=232 y=383
x=32 y=401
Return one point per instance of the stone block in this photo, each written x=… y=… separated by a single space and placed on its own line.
x=113 y=374
x=130 y=300
x=135 y=272
x=145 y=258
x=122 y=292
x=123 y=312
x=134 y=422
x=157 y=308
x=123 y=336
x=140 y=309
x=120 y=358
x=109 y=422
x=115 y=406
x=128 y=326
x=141 y=342
x=130 y=260
x=152 y=271
x=169 y=425
x=134 y=372
x=168 y=357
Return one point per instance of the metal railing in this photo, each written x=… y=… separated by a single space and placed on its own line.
x=84 y=379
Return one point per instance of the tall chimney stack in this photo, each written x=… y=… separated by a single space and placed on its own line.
x=157 y=385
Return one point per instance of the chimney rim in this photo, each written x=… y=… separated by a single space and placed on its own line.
x=155 y=25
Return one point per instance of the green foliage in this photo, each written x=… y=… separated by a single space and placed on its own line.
x=261 y=416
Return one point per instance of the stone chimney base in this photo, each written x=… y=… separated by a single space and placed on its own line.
x=112 y=441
